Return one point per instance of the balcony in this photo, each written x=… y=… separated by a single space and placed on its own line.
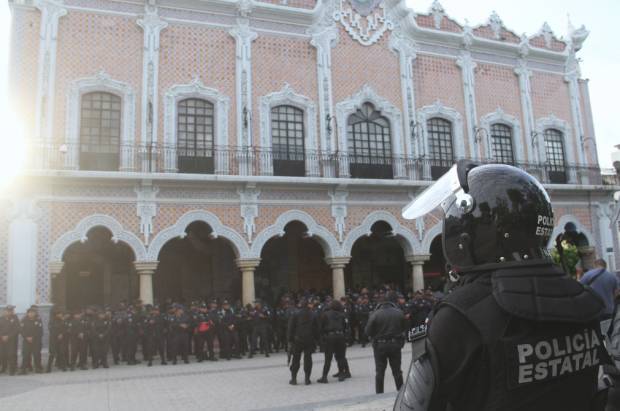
x=235 y=161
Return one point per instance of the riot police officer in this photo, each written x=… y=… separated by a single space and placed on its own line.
x=179 y=323
x=9 y=331
x=260 y=328
x=229 y=338
x=100 y=337
x=518 y=333
x=32 y=335
x=386 y=326
x=59 y=341
x=332 y=324
x=78 y=328
x=303 y=333
x=154 y=328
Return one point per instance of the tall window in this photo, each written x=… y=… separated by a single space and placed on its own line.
x=369 y=142
x=100 y=131
x=287 y=133
x=195 y=132
x=440 y=145
x=554 y=147
x=501 y=138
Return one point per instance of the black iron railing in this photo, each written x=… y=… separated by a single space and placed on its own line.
x=157 y=158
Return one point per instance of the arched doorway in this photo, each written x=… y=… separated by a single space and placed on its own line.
x=435 y=272
x=197 y=266
x=293 y=261
x=378 y=259
x=96 y=272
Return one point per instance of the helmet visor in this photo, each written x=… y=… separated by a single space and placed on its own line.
x=433 y=196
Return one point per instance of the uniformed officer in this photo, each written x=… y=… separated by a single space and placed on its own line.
x=260 y=321
x=332 y=325
x=518 y=333
x=179 y=324
x=59 y=341
x=9 y=331
x=118 y=332
x=132 y=333
x=154 y=328
x=386 y=326
x=31 y=329
x=200 y=326
x=213 y=319
x=100 y=337
x=78 y=327
x=303 y=334
x=229 y=338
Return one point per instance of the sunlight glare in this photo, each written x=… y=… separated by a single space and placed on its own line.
x=13 y=149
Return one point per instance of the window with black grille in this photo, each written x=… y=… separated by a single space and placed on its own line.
x=369 y=143
x=440 y=145
x=100 y=131
x=287 y=140
x=195 y=131
x=501 y=138
x=554 y=148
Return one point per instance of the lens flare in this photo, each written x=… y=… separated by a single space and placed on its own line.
x=13 y=149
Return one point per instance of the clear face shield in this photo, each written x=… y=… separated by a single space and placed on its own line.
x=443 y=192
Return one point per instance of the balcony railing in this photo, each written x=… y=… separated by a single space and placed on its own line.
x=236 y=161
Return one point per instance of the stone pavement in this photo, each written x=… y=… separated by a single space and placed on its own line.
x=248 y=384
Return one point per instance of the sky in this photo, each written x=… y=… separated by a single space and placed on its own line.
x=600 y=55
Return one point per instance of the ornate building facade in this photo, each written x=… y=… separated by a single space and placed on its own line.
x=198 y=148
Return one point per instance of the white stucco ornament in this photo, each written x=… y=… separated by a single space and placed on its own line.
x=364 y=20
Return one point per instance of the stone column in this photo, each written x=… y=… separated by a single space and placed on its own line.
x=58 y=284
x=247 y=267
x=338 y=284
x=417 y=275
x=145 y=270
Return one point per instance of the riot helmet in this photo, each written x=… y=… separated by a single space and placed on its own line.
x=493 y=214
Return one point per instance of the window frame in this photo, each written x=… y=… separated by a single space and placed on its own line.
x=501 y=140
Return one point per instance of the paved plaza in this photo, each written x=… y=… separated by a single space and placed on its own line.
x=248 y=384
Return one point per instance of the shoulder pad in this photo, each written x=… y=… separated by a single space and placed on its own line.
x=545 y=294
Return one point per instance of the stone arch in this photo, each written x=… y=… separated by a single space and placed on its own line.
x=79 y=234
x=559 y=229
x=321 y=234
x=239 y=245
x=405 y=237
x=430 y=236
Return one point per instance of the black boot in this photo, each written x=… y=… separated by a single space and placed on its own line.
x=293 y=380
x=307 y=381
x=379 y=385
x=322 y=380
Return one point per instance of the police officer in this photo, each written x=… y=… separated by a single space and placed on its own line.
x=9 y=331
x=303 y=333
x=518 y=333
x=362 y=313
x=32 y=335
x=154 y=328
x=229 y=338
x=100 y=337
x=179 y=324
x=132 y=333
x=332 y=325
x=78 y=327
x=386 y=326
x=260 y=323
x=213 y=319
x=118 y=332
x=59 y=341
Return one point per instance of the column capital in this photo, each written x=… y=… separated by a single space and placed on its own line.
x=338 y=262
x=55 y=267
x=145 y=267
x=248 y=263
x=418 y=258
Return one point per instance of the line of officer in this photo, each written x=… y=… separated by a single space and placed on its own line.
x=518 y=333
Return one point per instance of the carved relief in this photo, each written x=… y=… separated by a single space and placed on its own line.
x=364 y=21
